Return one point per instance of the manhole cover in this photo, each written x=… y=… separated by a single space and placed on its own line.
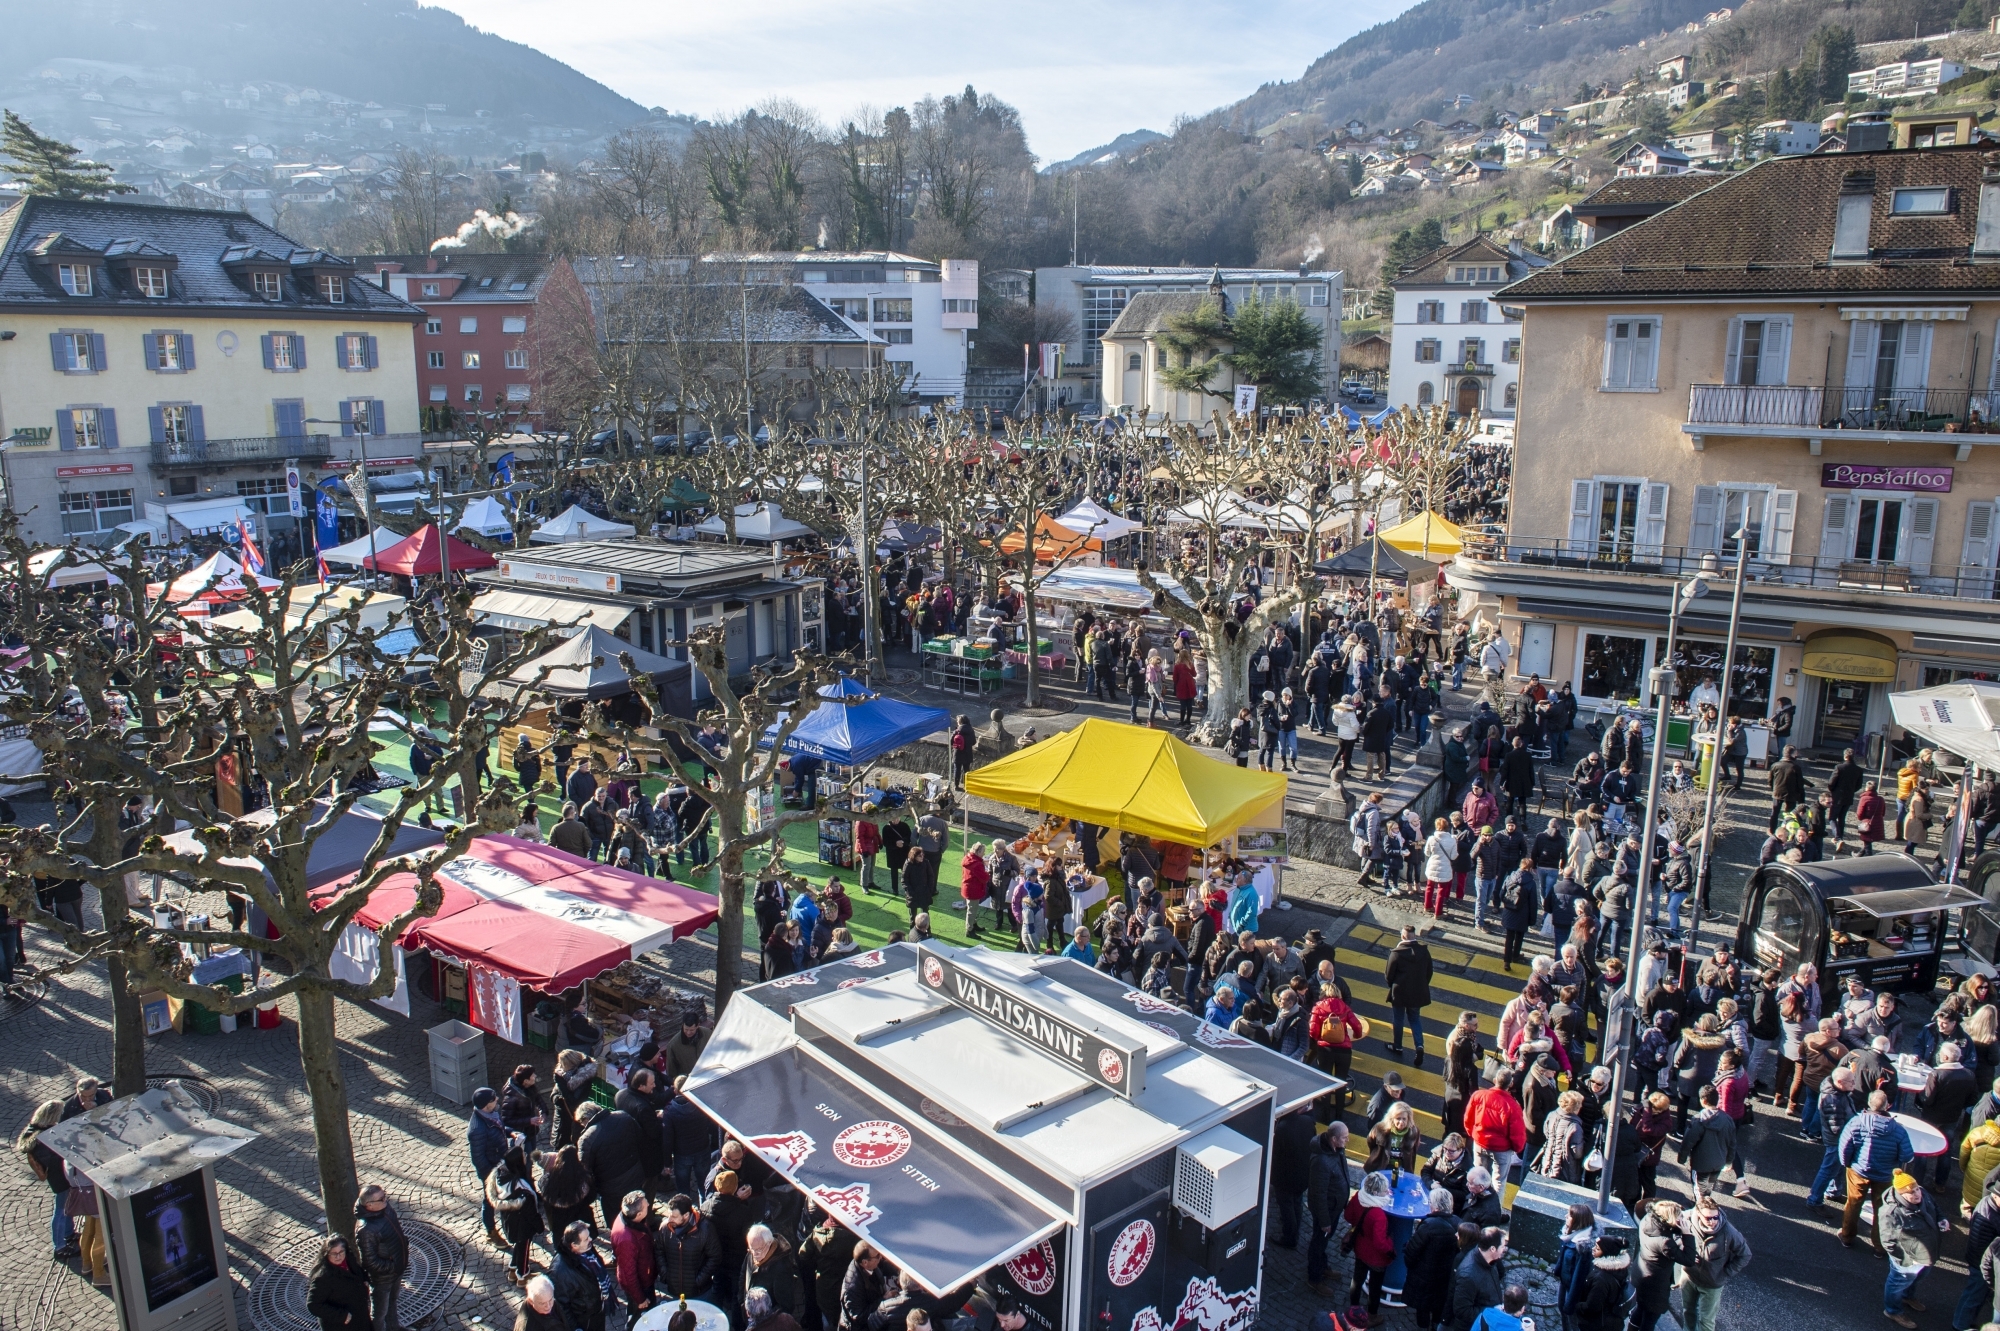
x=205 y=1092
x=22 y=995
x=278 y=1294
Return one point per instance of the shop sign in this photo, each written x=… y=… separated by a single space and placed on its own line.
x=30 y=435
x=102 y=469
x=554 y=575
x=1112 y=1061
x=1867 y=476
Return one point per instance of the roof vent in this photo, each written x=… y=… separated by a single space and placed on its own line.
x=1853 y=212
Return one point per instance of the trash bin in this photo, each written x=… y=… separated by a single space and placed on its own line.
x=458 y=1061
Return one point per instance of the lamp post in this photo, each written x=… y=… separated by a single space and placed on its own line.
x=1624 y=1003
x=362 y=435
x=1742 y=539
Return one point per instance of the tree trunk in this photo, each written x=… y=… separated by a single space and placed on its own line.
x=319 y=1054
x=1229 y=657
x=128 y=1031
x=1034 y=698
x=729 y=897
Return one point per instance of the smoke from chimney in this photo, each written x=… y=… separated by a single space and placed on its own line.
x=499 y=227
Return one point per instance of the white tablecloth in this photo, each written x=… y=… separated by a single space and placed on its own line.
x=1926 y=1139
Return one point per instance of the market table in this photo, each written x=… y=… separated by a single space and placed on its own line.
x=1926 y=1139
x=1409 y=1202
x=707 y=1317
x=1911 y=1075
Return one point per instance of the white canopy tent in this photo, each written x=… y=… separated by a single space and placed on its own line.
x=199 y=516
x=42 y=568
x=764 y=523
x=1961 y=718
x=577 y=523
x=1090 y=518
x=1225 y=508
x=489 y=517
x=353 y=552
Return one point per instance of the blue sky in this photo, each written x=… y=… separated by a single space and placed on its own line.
x=1081 y=74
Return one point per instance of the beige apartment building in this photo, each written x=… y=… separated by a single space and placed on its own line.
x=1802 y=355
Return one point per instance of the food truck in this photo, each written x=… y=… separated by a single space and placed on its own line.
x=1096 y=1153
x=1880 y=917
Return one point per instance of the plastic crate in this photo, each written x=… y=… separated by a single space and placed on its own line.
x=537 y=1040
x=601 y=1093
x=456 y=1044
x=201 y=1020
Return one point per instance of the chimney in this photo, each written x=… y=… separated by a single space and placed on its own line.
x=430 y=263
x=1854 y=211
x=1986 y=234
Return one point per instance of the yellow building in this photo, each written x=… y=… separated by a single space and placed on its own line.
x=1797 y=363
x=160 y=361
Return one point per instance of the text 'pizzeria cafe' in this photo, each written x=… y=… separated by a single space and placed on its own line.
x=1097 y=1154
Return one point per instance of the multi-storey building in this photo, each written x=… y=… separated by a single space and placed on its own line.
x=1795 y=365
x=1094 y=295
x=153 y=356
x=472 y=349
x=1453 y=342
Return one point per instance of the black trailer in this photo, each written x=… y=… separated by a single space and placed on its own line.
x=1883 y=918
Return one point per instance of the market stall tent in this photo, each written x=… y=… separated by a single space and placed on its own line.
x=586 y=666
x=1378 y=557
x=46 y=567
x=1130 y=779
x=487 y=516
x=217 y=578
x=1427 y=536
x=353 y=553
x=340 y=852
x=1093 y=519
x=577 y=523
x=423 y=555
x=1053 y=541
x=762 y=523
x=1961 y=718
x=849 y=733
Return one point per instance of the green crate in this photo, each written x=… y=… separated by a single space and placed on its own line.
x=537 y=1040
x=602 y=1093
x=459 y=1008
x=202 y=1021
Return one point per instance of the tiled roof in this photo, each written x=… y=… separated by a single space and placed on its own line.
x=1435 y=268
x=504 y=270
x=1769 y=231
x=201 y=239
x=783 y=315
x=1148 y=312
x=1622 y=192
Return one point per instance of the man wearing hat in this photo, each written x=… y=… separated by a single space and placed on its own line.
x=1909 y=1222
x=486 y=1136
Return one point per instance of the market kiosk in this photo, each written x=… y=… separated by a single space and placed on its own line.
x=1881 y=918
x=1098 y=1154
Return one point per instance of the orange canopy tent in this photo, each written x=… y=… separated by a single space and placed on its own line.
x=1053 y=541
x=423 y=555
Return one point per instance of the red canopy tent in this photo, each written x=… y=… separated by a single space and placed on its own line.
x=423 y=555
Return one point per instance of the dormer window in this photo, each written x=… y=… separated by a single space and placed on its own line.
x=75 y=278
x=430 y=288
x=150 y=282
x=333 y=289
x=1927 y=202
x=270 y=286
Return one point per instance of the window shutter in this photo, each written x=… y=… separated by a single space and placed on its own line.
x=1977 y=554
x=1922 y=537
x=1580 y=493
x=1617 y=355
x=1836 y=533
x=1784 y=518
x=346 y=417
x=1913 y=364
x=1707 y=508
x=270 y=357
x=290 y=418
x=378 y=415
x=1646 y=354
x=156 y=421
x=107 y=427
x=98 y=360
x=59 y=352
x=1775 y=363
x=66 y=430
x=1731 y=355
x=197 y=431
x=152 y=342
x=371 y=356
x=187 y=350
x=1652 y=538
x=1862 y=337
x=298 y=351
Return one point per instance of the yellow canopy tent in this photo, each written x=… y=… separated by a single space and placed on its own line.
x=1427 y=536
x=1130 y=779
x=1053 y=541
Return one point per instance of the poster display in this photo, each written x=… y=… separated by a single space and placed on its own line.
x=176 y=1239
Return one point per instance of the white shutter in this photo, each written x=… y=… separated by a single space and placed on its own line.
x=1702 y=534
x=1580 y=496
x=1921 y=537
x=1913 y=362
x=1784 y=517
x=1863 y=335
x=1977 y=553
x=1774 y=364
x=1617 y=353
x=1646 y=354
x=1652 y=537
x=1836 y=533
x=1733 y=353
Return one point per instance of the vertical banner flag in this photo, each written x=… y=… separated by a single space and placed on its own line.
x=253 y=558
x=503 y=469
x=326 y=518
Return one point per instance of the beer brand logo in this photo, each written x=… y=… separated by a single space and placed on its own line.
x=1132 y=1252
x=871 y=1144
x=1035 y=1270
x=1110 y=1066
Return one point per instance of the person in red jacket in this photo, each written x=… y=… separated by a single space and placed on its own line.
x=1333 y=1028
x=632 y=1250
x=1368 y=1213
x=867 y=844
x=975 y=884
x=1498 y=1129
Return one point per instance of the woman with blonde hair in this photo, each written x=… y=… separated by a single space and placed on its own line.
x=48 y=1167
x=1394 y=1141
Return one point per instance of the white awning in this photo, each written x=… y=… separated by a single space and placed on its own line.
x=202 y=515
x=1922 y=313
x=526 y=610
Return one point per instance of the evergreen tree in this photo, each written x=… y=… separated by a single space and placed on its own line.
x=44 y=165
x=1276 y=348
x=1835 y=53
x=1190 y=337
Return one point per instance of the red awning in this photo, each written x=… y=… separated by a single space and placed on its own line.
x=423 y=555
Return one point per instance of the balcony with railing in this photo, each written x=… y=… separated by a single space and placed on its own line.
x=228 y=452
x=1808 y=408
x=1628 y=559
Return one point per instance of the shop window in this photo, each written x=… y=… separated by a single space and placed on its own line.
x=1783 y=926
x=1749 y=683
x=1613 y=666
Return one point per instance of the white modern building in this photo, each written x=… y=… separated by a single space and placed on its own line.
x=926 y=312
x=1905 y=78
x=1453 y=343
x=1788 y=138
x=1094 y=295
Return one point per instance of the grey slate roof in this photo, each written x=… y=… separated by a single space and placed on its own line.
x=1148 y=312
x=489 y=278
x=782 y=316
x=201 y=240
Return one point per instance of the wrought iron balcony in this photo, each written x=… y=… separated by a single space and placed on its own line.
x=1807 y=407
x=227 y=452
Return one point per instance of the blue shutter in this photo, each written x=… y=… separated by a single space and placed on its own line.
x=152 y=342
x=98 y=360
x=298 y=351
x=66 y=431
x=187 y=350
x=373 y=358
x=156 y=421
x=59 y=352
x=270 y=360
x=196 y=430
x=107 y=427
x=290 y=418
x=377 y=416
x=346 y=417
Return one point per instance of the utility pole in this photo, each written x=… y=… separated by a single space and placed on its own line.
x=749 y=426
x=1715 y=764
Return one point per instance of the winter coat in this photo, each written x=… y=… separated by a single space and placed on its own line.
x=488 y=1142
x=1440 y=852
x=1327 y=1185
x=1461 y=1064
x=1335 y=1024
x=686 y=1258
x=566 y=1184
x=632 y=1250
x=861 y=1293
x=1709 y=1142
x=578 y=1296
x=1603 y=1306
x=1868 y=813
x=778 y=1276
x=609 y=1149
x=1720 y=1254
x=1910 y=1234
x=1978 y=1155
x=974 y=884
x=1493 y=1121
x=338 y=1296
x=687 y=1131
x=514 y=1200
x=1477 y=1285
x=1370 y=1218
x=379 y=1244
x=519 y=1106
x=1563 y=1147
x=1660 y=1249
x=1429 y=1254
x=1947 y=1094
x=565 y=1098
x=644 y=1111
x=1875 y=1146
x=1695 y=1060
x=1383 y=1150
x=1520 y=901
x=1407 y=974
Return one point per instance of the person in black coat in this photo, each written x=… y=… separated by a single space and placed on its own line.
x=337 y=1293
x=1520 y=907
x=641 y=1100
x=1604 y=1297
x=1407 y=976
x=609 y=1149
x=1291 y=1161
x=521 y=1108
x=580 y=1277
x=1430 y=1254
x=896 y=850
x=687 y=1251
x=1517 y=777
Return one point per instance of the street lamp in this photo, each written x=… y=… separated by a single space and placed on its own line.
x=1625 y=1003
x=363 y=436
x=1742 y=539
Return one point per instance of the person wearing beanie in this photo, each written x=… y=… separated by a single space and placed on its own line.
x=1604 y=1298
x=1910 y=1224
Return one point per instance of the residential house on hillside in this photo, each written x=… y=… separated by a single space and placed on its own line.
x=1451 y=341
x=1625 y=201
x=1543 y=123
x=1787 y=137
x=1904 y=79
x=1707 y=385
x=1682 y=95
x=1674 y=70
x=1648 y=159
x=1477 y=171
x=1523 y=147
x=1708 y=145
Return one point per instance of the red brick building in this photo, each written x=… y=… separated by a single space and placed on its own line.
x=473 y=347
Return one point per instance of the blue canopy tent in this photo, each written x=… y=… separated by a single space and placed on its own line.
x=849 y=733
